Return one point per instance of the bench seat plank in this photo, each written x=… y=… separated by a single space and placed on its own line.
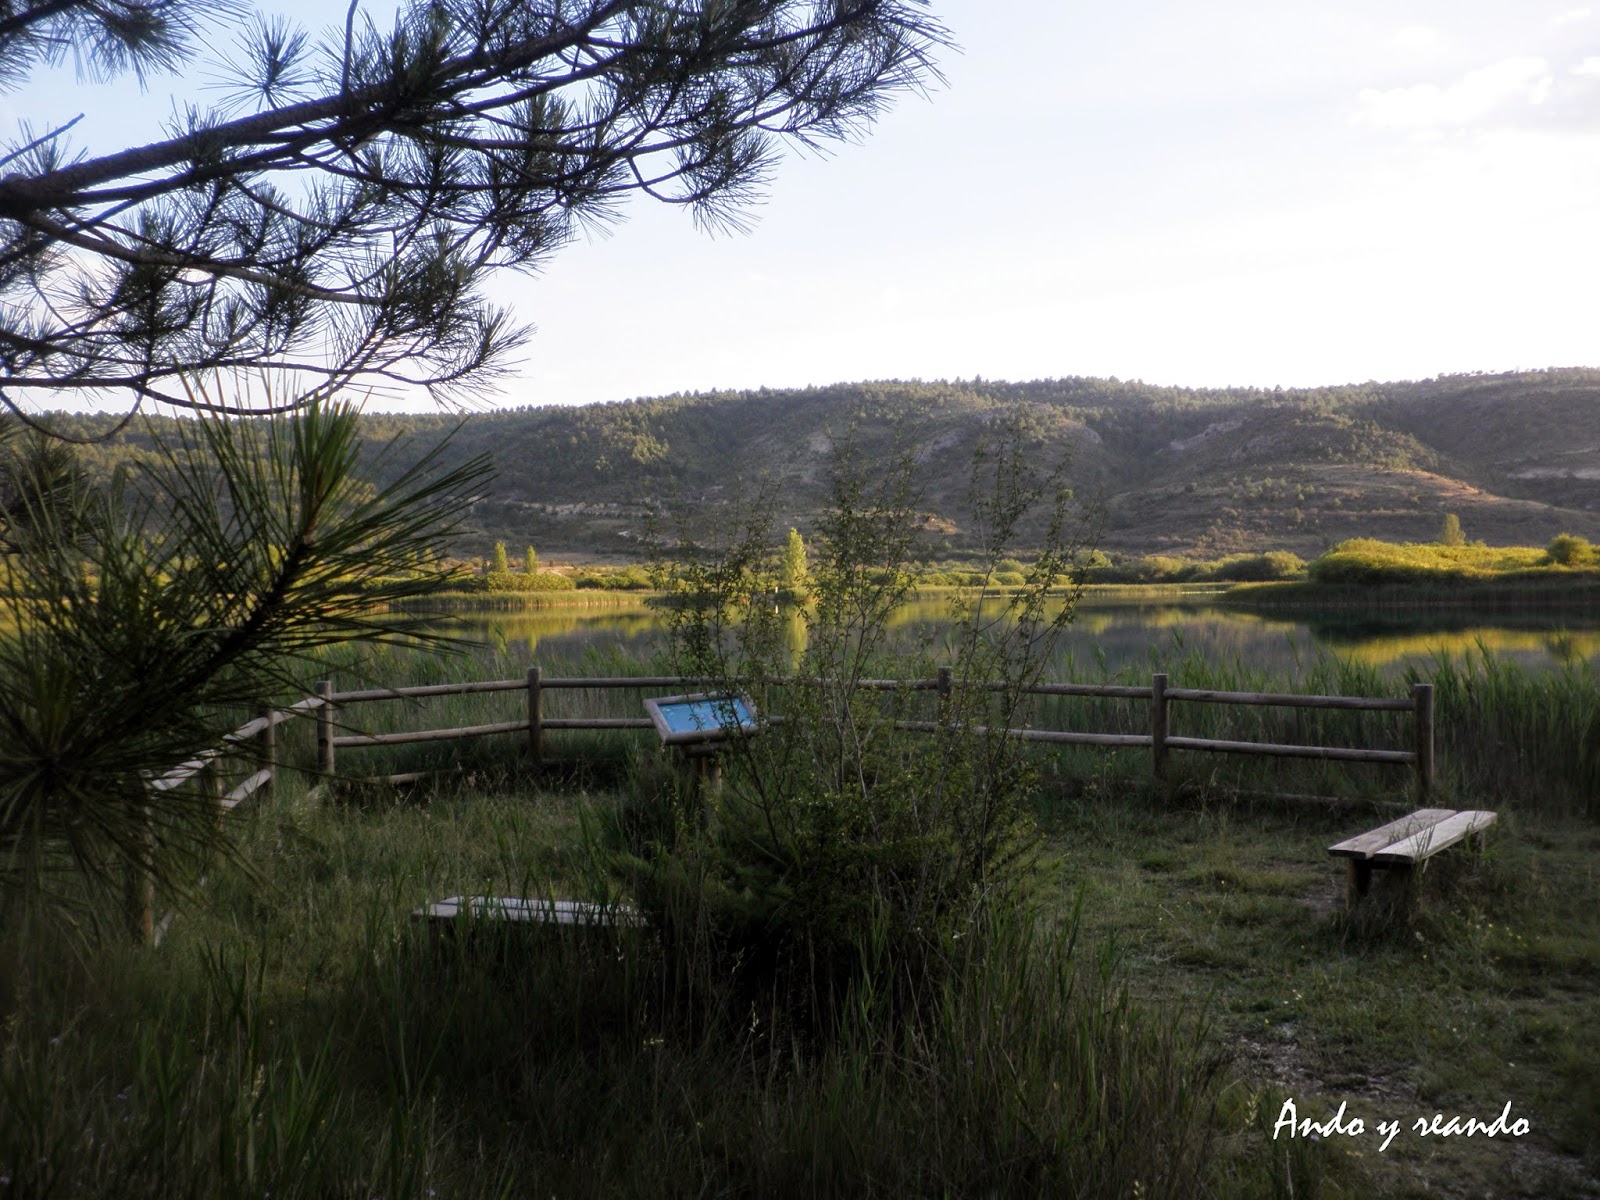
x=1425 y=842
x=1368 y=844
x=517 y=909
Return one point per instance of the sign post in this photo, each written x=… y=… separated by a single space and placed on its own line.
x=701 y=726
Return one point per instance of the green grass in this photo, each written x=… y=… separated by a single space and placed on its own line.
x=1521 y=738
x=1480 y=996
x=300 y=1036
x=304 y=1038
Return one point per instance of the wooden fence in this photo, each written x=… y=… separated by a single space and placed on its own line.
x=257 y=741
x=1159 y=696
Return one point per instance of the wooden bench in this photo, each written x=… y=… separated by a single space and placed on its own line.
x=520 y=911
x=1401 y=845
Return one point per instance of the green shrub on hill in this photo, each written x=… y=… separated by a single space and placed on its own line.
x=1367 y=560
x=1565 y=550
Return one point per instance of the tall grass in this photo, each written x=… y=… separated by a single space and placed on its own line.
x=1524 y=739
x=485 y=756
x=305 y=1039
x=302 y=1037
x=1505 y=735
x=473 y=602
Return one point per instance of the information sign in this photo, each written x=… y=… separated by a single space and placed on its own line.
x=707 y=717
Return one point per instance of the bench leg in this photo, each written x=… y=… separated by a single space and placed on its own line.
x=1391 y=888
x=1394 y=891
x=1357 y=881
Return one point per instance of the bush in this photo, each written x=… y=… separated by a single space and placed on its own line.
x=1368 y=561
x=1566 y=550
x=845 y=847
x=520 y=581
x=621 y=579
x=1256 y=568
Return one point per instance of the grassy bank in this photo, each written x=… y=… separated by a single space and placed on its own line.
x=304 y=1038
x=301 y=1036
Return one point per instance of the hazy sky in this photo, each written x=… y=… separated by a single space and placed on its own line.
x=1239 y=192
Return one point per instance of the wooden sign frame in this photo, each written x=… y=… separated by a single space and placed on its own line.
x=691 y=719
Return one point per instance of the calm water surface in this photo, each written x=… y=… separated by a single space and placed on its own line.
x=1112 y=637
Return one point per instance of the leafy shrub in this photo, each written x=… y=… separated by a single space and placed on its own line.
x=1567 y=550
x=624 y=579
x=520 y=581
x=1255 y=568
x=871 y=828
x=1237 y=568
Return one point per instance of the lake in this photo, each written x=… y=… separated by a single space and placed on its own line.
x=1110 y=636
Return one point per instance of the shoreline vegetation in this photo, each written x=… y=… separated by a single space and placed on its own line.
x=1355 y=574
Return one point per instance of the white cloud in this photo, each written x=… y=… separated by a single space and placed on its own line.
x=1571 y=15
x=1589 y=68
x=1508 y=84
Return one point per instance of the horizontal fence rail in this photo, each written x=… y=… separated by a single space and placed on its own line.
x=257 y=740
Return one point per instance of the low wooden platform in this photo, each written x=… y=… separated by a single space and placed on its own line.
x=1402 y=845
x=523 y=911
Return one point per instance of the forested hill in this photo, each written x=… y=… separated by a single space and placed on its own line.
x=1174 y=470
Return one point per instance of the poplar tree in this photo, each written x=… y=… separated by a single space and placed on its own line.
x=794 y=571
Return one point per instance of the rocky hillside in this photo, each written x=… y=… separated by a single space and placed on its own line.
x=1169 y=470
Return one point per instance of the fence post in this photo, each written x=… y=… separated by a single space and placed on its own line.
x=139 y=885
x=1422 y=707
x=325 y=758
x=1158 y=725
x=215 y=788
x=536 y=714
x=267 y=751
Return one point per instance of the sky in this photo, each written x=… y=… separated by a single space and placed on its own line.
x=1245 y=192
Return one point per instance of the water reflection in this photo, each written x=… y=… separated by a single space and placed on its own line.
x=1111 y=638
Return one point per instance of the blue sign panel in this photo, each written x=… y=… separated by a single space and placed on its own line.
x=701 y=718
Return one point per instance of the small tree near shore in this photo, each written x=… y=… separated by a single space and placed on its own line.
x=794 y=571
x=1450 y=533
